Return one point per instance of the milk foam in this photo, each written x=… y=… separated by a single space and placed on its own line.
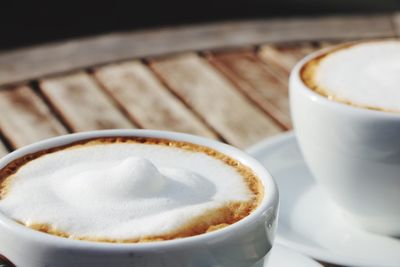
x=121 y=190
x=366 y=74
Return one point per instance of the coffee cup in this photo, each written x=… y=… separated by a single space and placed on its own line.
x=350 y=135
x=246 y=242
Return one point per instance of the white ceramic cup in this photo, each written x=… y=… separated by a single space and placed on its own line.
x=245 y=243
x=353 y=153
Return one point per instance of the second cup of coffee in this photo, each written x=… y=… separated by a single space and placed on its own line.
x=345 y=104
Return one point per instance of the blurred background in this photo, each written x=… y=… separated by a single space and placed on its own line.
x=25 y=23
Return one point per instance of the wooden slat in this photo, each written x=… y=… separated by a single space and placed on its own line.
x=326 y=44
x=257 y=81
x=82 y=104
x=147 y=101
x=223 y=107
x=396 y=23
x=284 y=58
x=32 y=62
x=24 y=118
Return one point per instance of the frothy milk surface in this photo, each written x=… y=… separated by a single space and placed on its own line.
x=364 y=74
x=124 y=191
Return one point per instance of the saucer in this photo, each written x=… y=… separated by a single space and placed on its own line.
x=285 y=257
x=309 y=222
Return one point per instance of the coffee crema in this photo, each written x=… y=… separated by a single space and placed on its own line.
x=364 y=74
x=128 y=190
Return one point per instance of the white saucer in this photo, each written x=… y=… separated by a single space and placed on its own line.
x=285 y=257
x=309 y=222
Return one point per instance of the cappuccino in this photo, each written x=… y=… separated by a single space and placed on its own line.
x=128 y=189
x=364 y=75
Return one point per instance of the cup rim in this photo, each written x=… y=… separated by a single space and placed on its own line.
x=295 y=77
x=270 y=198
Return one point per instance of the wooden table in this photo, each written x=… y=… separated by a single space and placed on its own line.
x=225 y=81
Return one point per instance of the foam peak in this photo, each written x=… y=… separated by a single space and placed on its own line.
x=132 y=178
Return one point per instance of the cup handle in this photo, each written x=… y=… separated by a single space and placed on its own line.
x=4 y=262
